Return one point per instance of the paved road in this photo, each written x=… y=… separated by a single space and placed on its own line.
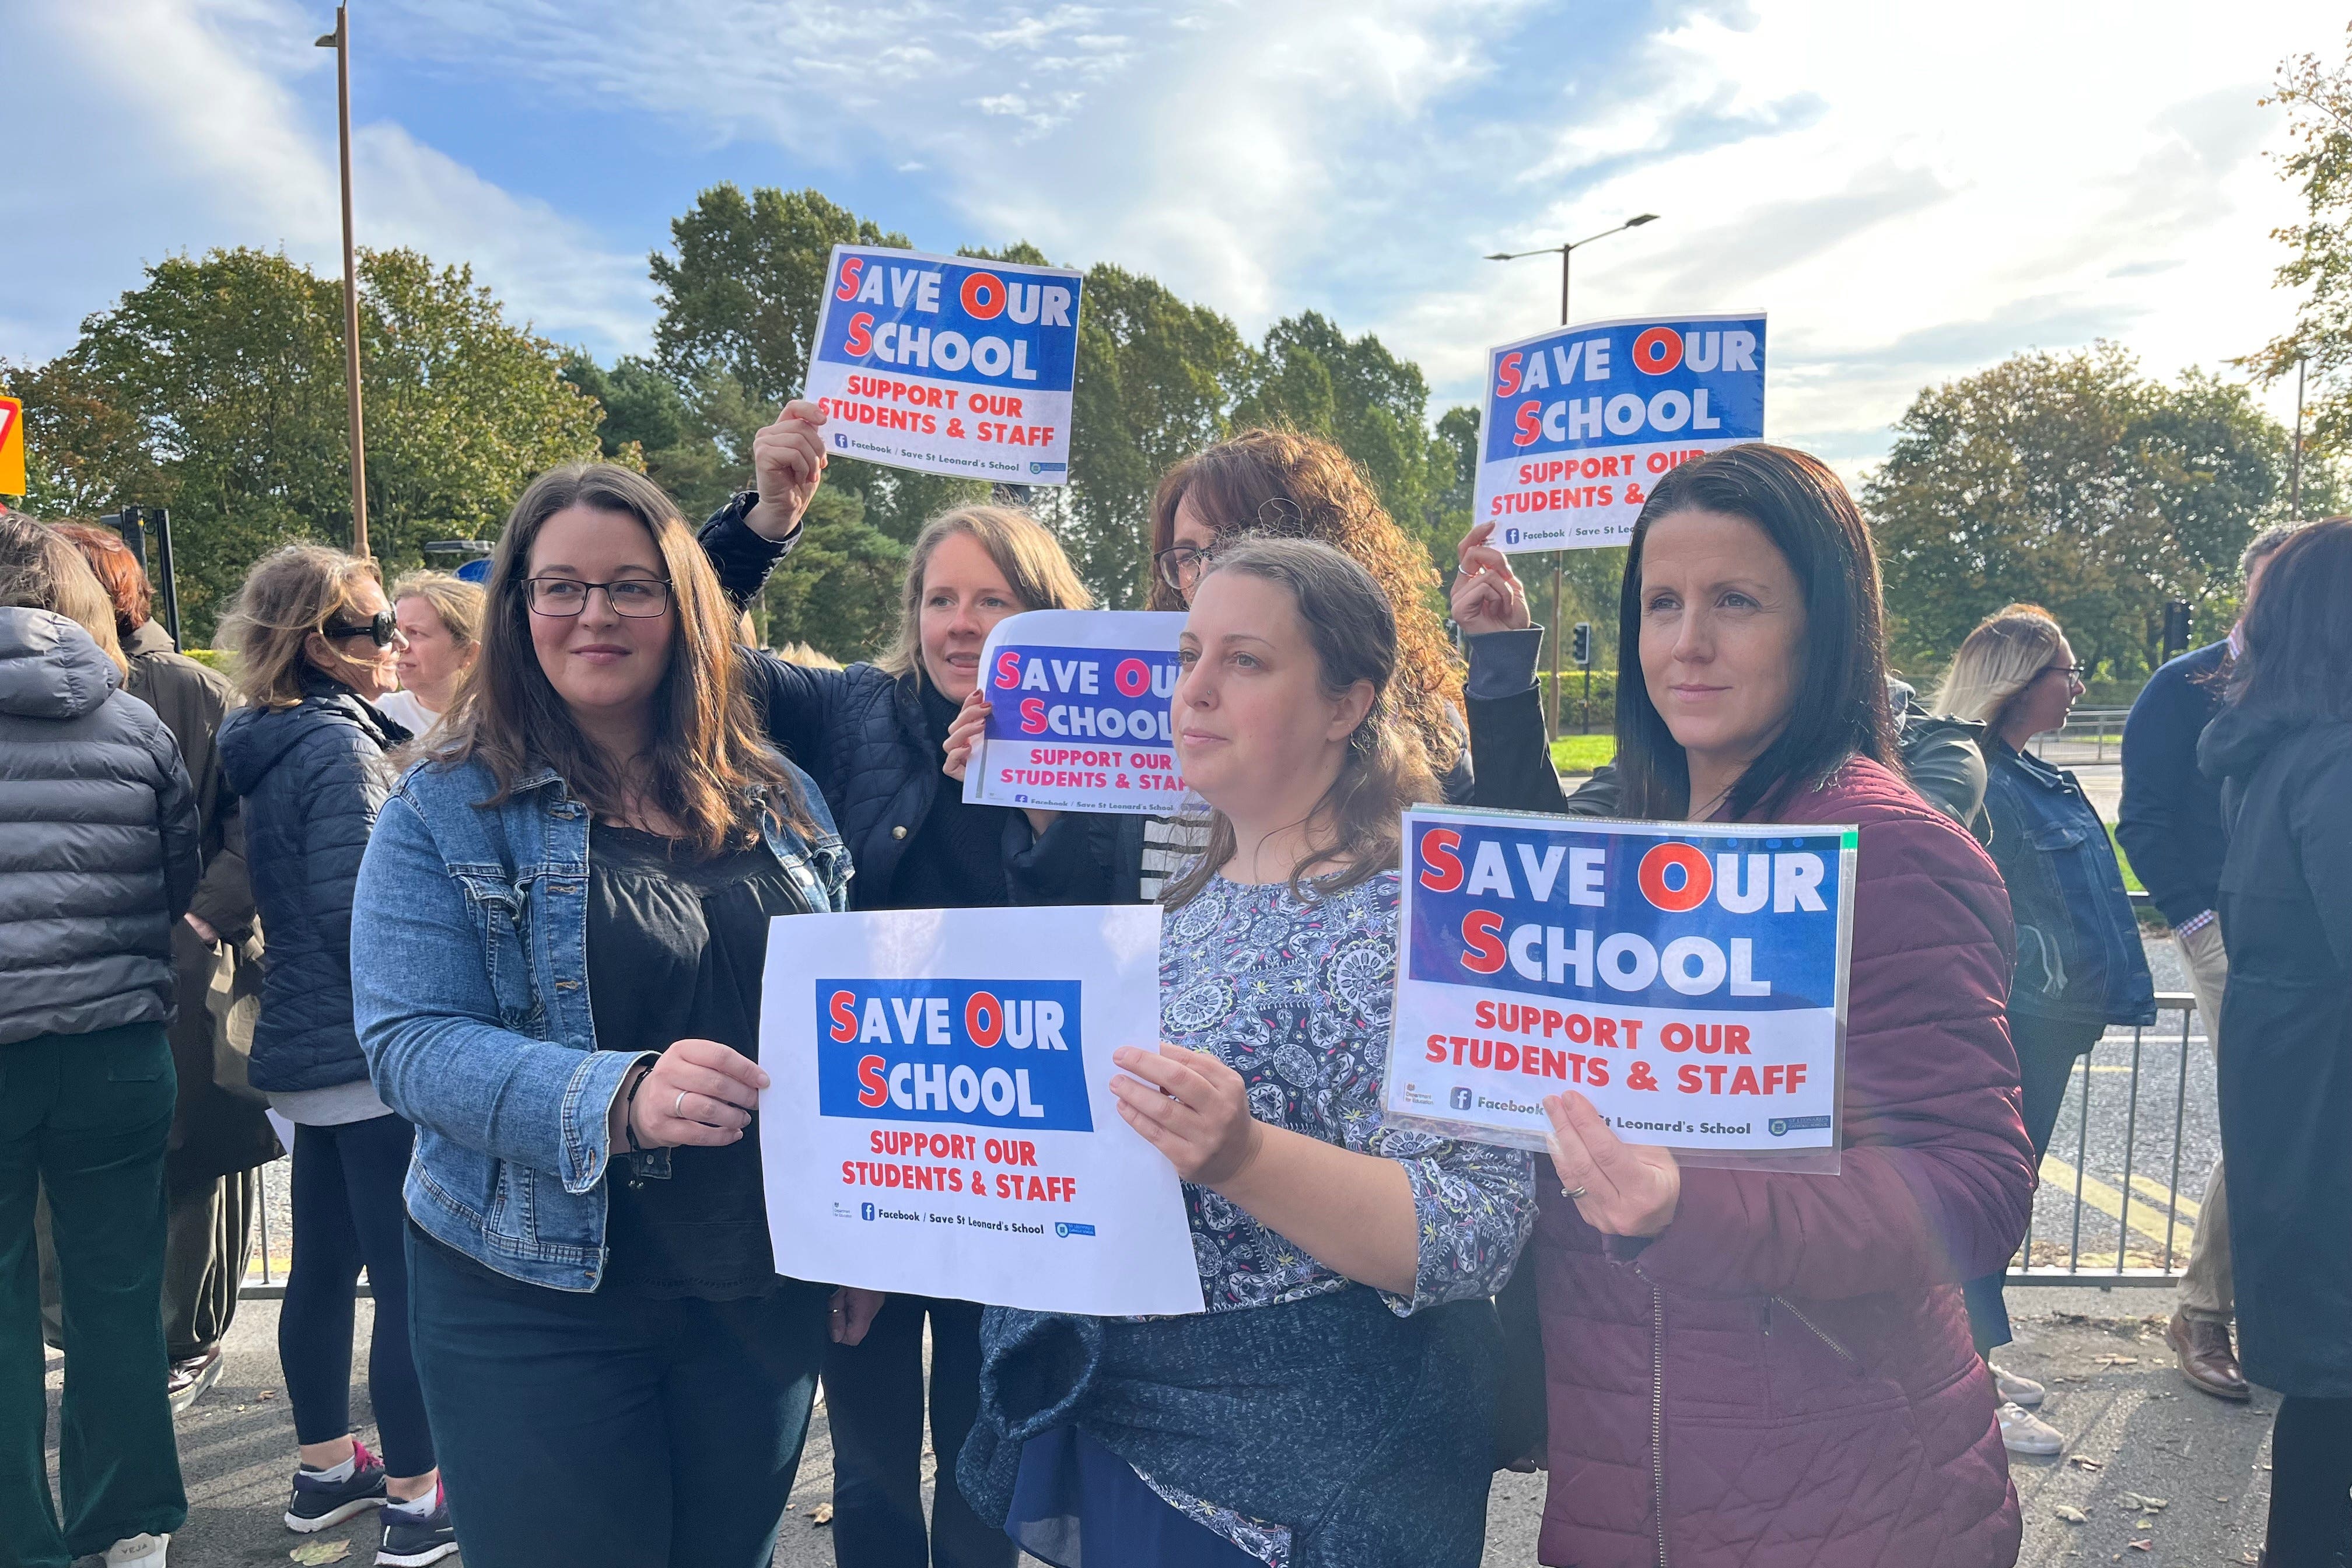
x=2142 y=1431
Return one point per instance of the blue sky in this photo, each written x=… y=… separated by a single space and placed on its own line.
x=1912 y=191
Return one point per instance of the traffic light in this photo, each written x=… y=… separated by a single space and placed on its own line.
x=2176 y=626
x=1581 y=646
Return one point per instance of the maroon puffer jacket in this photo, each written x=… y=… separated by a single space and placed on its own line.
x=1786 y=1376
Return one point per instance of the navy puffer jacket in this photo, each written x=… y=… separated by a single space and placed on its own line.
x=313 y=777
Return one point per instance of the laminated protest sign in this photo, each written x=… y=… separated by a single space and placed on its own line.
x=1078 y=715
x=1579 y=424
x=948 y=365
x=1689 y=979
x=940 y=1119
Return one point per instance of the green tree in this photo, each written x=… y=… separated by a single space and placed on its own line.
x=839 y=589
x=216 y=389
x=2318 y=101
x=1354 y=392
x=2070 y=481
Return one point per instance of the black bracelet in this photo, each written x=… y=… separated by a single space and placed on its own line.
x=629 y=1123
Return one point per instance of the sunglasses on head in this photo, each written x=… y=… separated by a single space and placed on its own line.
x=382 y=629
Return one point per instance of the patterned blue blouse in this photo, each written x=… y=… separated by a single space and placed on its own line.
x=1294 y=995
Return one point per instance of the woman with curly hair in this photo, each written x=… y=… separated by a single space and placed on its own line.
x=1279 y=483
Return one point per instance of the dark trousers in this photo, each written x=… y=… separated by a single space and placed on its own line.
x=347 y=1215
x=2046 y=1055
x=86 y=1116
x=873 y=1407
x=208 y=1241
x=609 y=1431
x=2311 y=1484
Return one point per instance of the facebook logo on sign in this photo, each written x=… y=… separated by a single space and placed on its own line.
x=1459 y=1099
x=1510 y=535
x=864 y=1211
x=840 y=441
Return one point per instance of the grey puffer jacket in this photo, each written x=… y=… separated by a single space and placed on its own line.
x=98 y=838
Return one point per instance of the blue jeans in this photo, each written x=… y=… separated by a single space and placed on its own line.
x=609 y=1431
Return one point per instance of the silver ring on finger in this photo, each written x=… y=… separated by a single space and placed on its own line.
x=678 y=1109
x=1568 y=1192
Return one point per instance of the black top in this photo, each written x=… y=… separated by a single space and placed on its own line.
x=2171 y=824
x=956 y=857
x=676 y=950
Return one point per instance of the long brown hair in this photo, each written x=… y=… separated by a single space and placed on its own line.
x=293 y=590
x=1031 y=559
x=118 y=572
x=709 y=754
x=1284 y=484
x=41 y=570
x=1350 y=625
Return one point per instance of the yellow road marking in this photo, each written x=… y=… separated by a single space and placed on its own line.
x=2109 y=1201
x=2186 y=1208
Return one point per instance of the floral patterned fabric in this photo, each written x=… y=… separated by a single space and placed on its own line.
x=1294 y=995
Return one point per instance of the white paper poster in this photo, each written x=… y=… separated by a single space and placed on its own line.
x=940 y=1119
x=1078 y=715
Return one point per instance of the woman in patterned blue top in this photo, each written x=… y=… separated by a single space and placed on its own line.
x=1332 y=1405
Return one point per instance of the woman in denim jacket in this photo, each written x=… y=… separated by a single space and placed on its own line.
x=562 y=925
x=2080 y=965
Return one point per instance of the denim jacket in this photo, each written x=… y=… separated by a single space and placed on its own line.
x=2079 y=957
x=469 y=980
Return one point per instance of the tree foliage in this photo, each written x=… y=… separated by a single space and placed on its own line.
x=2318 y=99
x=2072 y=481
x=217 y=388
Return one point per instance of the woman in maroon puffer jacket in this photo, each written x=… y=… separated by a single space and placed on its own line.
x=1773 y=1369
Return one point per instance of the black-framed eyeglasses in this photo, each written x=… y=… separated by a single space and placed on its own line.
x=1180 y=565
x=2071 y=671
x=382 y=629
x=568 y=595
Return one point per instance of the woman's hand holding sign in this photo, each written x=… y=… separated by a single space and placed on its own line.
x=963 y=735
x=1488 y=595
x=787 y=463
x=1193 y=1109
x=696 y=1092
x=1619 y=1188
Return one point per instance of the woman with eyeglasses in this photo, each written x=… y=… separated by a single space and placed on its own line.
x=2080 y=965
x=315 y=643
x=1281 y=484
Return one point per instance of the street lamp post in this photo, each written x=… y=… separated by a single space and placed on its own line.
x=340 y=40
x=2294 y=485
x=1566 y=252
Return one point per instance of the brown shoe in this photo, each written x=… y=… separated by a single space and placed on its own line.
x=2206 y=1357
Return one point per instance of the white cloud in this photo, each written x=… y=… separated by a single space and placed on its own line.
x=163 y=127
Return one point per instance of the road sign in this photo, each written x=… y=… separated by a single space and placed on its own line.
x=12 y=447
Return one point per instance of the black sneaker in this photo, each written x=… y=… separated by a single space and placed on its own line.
x=411 y=1539
x=320 y=1504
x=189 y=1379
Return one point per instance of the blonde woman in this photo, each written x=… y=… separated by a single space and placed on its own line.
x=441 y=618
x=314 y=643
x=877 y=738
x=2080 y=966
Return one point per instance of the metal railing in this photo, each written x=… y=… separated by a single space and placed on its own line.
x=2101 y=729
x=2153 y=1224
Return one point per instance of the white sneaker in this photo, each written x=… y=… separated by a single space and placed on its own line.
x=2021 y=1391
x=138 y=1551
x=2022 y=1432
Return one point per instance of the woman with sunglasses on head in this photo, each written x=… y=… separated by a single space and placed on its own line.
x=2080 y=964
x=1771 y=1368
x=314 y=644
x=564 y=920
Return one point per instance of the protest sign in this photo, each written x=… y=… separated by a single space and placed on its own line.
x=940 y=1119
x=948 y=365
x=1689 y=979
x=1078 y=712
x=1579 y=424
